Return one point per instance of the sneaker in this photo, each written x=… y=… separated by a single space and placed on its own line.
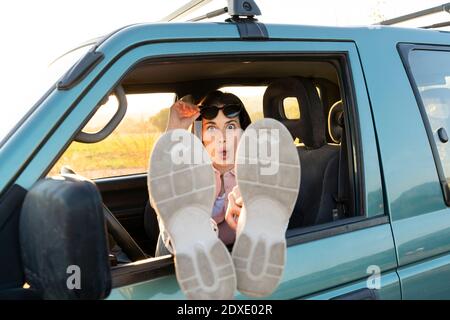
x=181 y=184
x=269 y=183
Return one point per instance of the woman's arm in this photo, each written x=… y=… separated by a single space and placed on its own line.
x=182 y=115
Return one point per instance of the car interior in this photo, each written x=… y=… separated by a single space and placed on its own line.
x=320 y=133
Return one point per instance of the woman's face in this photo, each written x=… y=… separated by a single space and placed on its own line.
x=221 y=137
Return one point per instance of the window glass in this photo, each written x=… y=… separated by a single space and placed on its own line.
x=127 y=150
x=431 y=72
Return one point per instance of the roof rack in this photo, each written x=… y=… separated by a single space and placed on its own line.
x=189 y=7
x=422 y=13
x=236 y=9
x=210 y=15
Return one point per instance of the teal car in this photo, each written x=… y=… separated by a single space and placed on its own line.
x=368 y=108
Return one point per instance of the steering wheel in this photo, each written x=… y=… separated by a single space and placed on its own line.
x=117 y=231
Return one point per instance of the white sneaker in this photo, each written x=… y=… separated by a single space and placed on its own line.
x=269 y=188
x=183 y=196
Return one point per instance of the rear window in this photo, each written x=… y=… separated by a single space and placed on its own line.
x=431 y=72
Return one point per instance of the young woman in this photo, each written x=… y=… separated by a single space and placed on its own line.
x=223 y=119
x=193 y=197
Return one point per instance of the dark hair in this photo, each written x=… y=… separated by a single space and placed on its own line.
x=218 y=97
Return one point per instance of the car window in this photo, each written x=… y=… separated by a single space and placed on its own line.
x=126 y=151
x=431 y=72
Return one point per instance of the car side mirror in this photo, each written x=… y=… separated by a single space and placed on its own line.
x=63 y=240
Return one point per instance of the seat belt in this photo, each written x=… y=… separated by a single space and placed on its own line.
x=342 y=184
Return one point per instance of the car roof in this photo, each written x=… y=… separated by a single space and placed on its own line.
x=133 y=35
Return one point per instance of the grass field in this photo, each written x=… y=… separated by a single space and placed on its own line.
x=119 y=154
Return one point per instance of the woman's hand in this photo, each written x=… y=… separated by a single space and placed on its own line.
x=234 y=207
x=182 y=115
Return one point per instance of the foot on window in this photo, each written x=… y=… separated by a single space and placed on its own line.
x=268 y=176
x=181 y=185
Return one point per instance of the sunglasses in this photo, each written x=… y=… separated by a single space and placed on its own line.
x=229 y=110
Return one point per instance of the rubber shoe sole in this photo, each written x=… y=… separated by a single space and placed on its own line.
x=183 y=195
x=269 y=188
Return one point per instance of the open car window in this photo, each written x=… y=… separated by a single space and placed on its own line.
x=126 y=151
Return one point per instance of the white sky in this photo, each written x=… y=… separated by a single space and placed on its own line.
x=34 y=33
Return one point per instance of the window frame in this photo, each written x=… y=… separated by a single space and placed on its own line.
x=404 y=50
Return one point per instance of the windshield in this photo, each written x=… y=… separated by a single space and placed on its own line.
x=19 y=98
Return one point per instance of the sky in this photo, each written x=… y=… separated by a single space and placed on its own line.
x=34 y=33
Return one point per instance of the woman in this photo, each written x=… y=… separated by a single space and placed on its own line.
x=223 y=119
x=188 y=196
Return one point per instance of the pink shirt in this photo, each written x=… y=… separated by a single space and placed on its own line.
x=226 y=233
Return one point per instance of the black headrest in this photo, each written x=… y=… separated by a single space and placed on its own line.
x=310 y=128
x=63 y=240
x=336 y=121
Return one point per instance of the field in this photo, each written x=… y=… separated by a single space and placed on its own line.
x=119 y=154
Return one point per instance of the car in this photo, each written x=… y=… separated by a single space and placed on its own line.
x=367 y=107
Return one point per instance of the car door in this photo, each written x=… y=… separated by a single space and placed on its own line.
x=348 y=259
x=421 y=223
x=410 y=147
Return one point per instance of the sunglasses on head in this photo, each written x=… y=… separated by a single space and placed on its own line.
x=229 y=110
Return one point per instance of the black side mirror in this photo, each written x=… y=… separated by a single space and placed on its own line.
x=63 y=240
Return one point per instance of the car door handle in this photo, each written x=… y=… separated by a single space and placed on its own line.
x=361 y=294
